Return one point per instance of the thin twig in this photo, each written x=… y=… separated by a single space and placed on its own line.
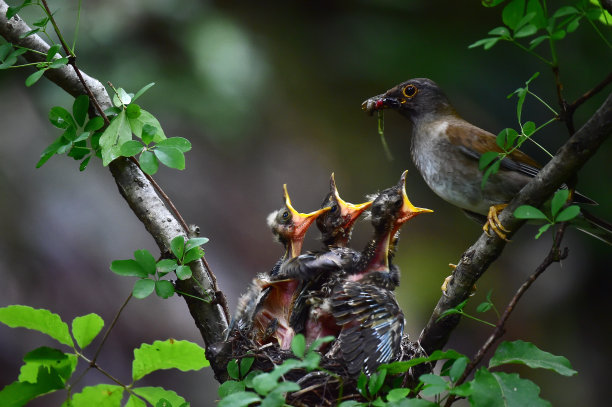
x=110 y=328
x=554 y=255
x=587 y=95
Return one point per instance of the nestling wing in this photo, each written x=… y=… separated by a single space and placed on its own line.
x=372 y=325
x=311 y=264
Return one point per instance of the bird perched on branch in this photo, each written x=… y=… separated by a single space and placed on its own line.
x=364 y=304
x=266 y=307
x=446 y=150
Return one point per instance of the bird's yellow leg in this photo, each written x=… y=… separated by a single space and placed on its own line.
x=493 y=222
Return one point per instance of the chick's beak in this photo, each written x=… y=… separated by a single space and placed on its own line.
x=409 y=211
x=348 y=210
x=301 y=223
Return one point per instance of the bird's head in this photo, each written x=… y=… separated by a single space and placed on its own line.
x=289 y=226
x=336 y=224
x=415 y=99
x=392 y=208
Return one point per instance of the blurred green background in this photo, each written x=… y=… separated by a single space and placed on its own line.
x=269 y=92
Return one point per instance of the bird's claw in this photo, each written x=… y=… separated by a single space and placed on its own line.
x=448 y=279
x=494 y=224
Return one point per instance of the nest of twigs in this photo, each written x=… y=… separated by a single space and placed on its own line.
x=326 y=386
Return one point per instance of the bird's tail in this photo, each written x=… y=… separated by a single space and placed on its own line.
x=594 y=226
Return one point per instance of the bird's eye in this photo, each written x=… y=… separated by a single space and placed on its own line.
x=398 y=204
x=410 y=91
x=333 y=208
x=285 y=214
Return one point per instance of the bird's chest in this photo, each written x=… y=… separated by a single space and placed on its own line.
x=449 y=173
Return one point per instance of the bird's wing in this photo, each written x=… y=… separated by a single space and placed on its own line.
x=308 y=265
x=372 y=325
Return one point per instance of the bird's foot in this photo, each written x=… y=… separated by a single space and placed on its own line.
x=448 y=279
x=493 y=222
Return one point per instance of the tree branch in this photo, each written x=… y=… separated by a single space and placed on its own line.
x=475 y=261
x=211 y=318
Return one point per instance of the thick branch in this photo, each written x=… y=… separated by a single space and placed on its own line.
x=475 y=261
x=210 y=318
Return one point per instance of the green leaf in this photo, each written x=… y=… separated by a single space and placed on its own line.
x=486 y=159
x=153 y=394
x=195 y=242
x=143 y=288
x=413 y=403
x=164 y=289
x=148 y=162
x=492 y=170
x=142 y=90
x=558 y=200
x=169 y=354
x=245 y=365
x=58 y=63
x=529 y=128
x=129 y=268
x=165 y=266
x=433 y=384
x=61 y=118
x=183 y=272
x=504 y=390
x=117 y=133
x=84 y=163
x=177 y=245
x=146 y=261
x=513 y=13
x=193 y=254
x=239 y=399
x=229 y=387
x=233 y=370
x=133 y=111
x=170 y=156
x=298 y=345
x=397 y=394
x=526 y=31
x=86 y=328
x=565 y=11
x=500 y=31
x=148 y=133
x=134 y=401
x=53 y=50
x=487 y=43
x=484 y=307
x=376 y=381
x=573 y=25
x=536 y=41
x=527 y=353
x=33 y=78
x=102 y=395
x=63 y=364
x=137 y=126
x=51 y=150
x=95 y=123
x=42 y=320
x=543 y=229
x=18 y=394
x=5 y=50
x=568 y=213
x=265 y=383
x=505 y=139
x=491 y=3
x=131 y=148
x=121 y=98
x=535 y=7
x=458 y=368
x=558 y=35
x=180 y=143
x=320 y=341
x=529 y=212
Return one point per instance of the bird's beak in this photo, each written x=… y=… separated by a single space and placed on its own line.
x=379 y=102
x=302 y=222
x=409 y=211
x=352 y=211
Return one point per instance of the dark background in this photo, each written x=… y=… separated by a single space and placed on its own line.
x=268 y=93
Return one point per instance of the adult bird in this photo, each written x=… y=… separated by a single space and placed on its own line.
x=363 y=304
x=319 y=270
x=446 y=150
x=266 y=307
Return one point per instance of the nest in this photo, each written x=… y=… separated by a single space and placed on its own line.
x=324 y=387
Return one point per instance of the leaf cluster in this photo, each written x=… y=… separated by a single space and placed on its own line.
x=47 y=370
x=152 y=272
x=557 y=215
x=268 y=389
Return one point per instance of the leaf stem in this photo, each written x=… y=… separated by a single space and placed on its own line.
x=535 y=54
